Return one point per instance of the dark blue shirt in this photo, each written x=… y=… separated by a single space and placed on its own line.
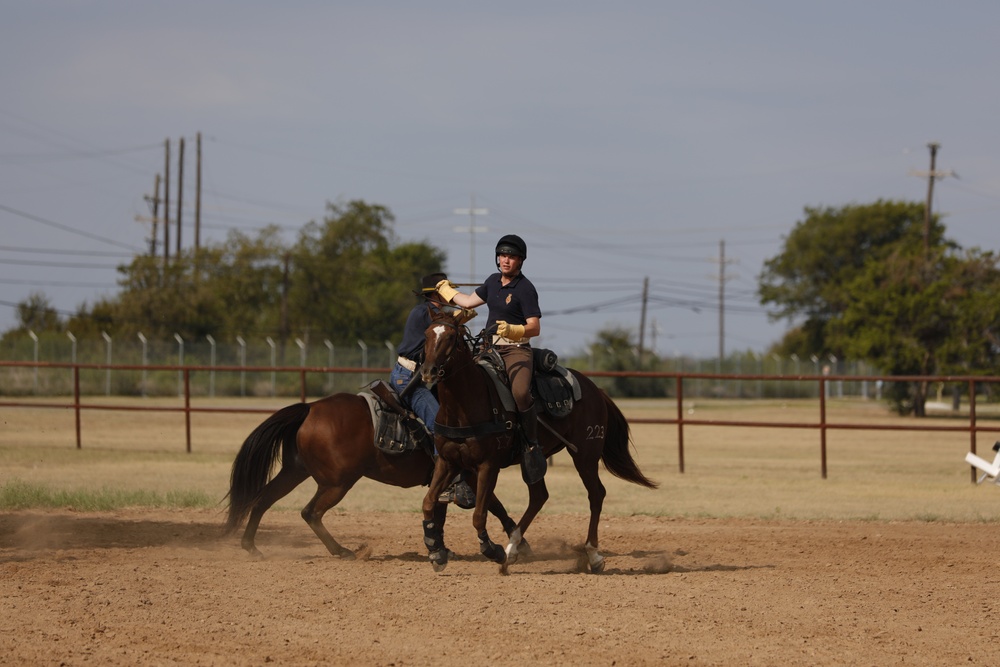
x=513 y=303
x=412 y=345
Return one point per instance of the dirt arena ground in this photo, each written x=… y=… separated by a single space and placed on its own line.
x=164 y=588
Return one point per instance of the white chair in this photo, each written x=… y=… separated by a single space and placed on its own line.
x=990 y=471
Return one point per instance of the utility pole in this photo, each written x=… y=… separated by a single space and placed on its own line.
x=154 y=209
x=197 y=199
x=642 y=318
x=472 y=212
x=931 y=176
x=722 y=298
x=166 y=205
x=180 y=192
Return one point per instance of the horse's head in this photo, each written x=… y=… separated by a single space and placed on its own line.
x=441 y=339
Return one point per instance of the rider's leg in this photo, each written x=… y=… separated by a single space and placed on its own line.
x=518 y=361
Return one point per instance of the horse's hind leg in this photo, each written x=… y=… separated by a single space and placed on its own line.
x=279 y=487
x=595 y=494
x=325 y=498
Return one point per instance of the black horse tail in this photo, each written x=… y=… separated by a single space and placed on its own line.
x=616 y=454
x=256 y=458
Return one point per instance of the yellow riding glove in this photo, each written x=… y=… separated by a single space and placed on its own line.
x=514 y=332
x=465 y=315
x=447 y=290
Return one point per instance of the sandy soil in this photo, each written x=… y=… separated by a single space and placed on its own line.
x=163 y=588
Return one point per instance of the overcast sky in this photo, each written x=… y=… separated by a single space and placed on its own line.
x=621 y=140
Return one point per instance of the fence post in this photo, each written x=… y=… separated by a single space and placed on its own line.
x=144 y=357
x=364 y=361
x=211 y=373
x=187 y=407
x=972 y=423
x=329 y=364
x=271 y=343
x=180 y=362
x=822 y=424
x=107 y=382
x=76 y=402
x=680 y=421
x=243 y=364
x=34 y=337
x=72 y=357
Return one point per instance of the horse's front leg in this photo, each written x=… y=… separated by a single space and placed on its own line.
x=486 y=482
x=509 y=526
x=434 y=516
x=538 y=493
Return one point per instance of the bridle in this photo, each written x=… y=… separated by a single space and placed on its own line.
x=437 y=371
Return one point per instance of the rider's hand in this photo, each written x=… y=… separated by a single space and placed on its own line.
x=514 y=332
x=465 y=314
x=447 y=290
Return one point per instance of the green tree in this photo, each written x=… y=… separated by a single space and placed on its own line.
x=911 y=314
x=350 y=279
x=347 y=278
x=37 y=314
x=808 y=281
x=615 y=349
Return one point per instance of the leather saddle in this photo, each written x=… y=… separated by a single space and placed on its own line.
x=397 y=429
x=554 y=387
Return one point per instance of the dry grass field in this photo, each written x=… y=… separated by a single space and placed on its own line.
x=729 y=471
x=747 y=558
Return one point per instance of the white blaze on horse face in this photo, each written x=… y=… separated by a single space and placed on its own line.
x=438 y=331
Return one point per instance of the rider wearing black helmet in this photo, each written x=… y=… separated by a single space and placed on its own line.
x=513 y=308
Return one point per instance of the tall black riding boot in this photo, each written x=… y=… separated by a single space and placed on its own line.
x=533 y=461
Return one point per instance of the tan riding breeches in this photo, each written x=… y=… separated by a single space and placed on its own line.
x=519 y=364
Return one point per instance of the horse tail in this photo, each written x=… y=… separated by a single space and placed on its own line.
x=617 y=455
x=256 y=458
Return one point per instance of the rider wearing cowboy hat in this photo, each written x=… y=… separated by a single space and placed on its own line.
x=419 y=398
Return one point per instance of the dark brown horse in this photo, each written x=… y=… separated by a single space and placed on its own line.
x=332 y=441
x=483 y=438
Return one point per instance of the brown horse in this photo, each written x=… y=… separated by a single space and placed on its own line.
x=482 y=439
x=332 y=441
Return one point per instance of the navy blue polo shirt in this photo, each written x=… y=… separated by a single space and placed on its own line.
x=513 y=303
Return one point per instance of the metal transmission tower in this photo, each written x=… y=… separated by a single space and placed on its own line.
x=472 y=212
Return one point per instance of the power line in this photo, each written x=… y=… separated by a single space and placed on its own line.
x=67 y=228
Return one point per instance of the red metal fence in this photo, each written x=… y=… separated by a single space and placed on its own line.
x=972 y=426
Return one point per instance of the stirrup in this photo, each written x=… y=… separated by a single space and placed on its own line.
x=460 y=493
x=533 y=464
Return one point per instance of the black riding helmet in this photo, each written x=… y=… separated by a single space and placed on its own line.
x=512 y=244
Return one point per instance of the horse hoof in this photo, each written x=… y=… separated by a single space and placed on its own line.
x=524 y=549
x=496 y=554
x=597 y=568
x=439 y=559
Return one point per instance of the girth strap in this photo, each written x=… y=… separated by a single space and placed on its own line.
x=459 y=433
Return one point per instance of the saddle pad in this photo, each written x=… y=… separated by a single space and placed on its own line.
x=371 y=408
x=506 y=397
